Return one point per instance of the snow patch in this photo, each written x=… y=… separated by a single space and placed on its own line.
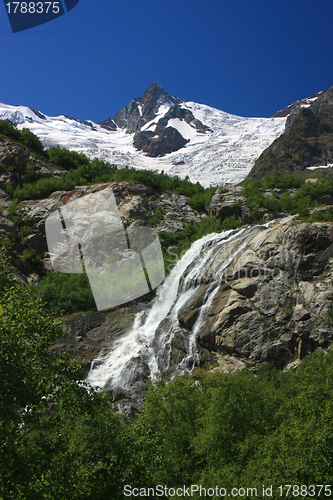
x=321 y=166
x=183 y=128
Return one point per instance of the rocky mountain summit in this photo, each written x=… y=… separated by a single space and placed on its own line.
x=148 y=117
x=142 y=110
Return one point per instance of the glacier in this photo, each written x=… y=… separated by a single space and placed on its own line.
x=220 y=157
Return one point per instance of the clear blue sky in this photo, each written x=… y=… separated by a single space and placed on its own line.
x=247 y=57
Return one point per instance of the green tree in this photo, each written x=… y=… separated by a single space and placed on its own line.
x=31 y=140
x=58 y=440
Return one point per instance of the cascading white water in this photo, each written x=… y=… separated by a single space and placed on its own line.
x=140 y=349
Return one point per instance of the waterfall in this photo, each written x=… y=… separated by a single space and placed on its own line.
x=144 y=350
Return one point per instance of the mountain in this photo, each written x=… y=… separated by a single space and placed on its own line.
x=161 y=132
x=307 y=140
x=143 y=109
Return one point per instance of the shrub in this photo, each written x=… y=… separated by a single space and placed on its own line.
x=63 y=158
x=31 y=140
x=8 y=129
x=66 y=293
x=25 y=137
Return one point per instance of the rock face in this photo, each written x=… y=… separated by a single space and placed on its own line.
x=165 y=139
x=274 y=303
x=142 y=109
x=91 y=332
x=307 y=141
x=230 y=204
x=20 y=165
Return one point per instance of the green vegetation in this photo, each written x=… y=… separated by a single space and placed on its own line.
x=245 y=430
x=59 y=441
x=24 y=137
x=30 y=255
x=65 y=293
x=83 y=172
x=296 y=196
x=63 y=158
x=321 y=215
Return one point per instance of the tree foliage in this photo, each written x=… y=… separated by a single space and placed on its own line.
x=24 y=137
x=60 y=441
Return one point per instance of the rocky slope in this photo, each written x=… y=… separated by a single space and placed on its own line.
x=275 y=302
x=307 y=141
x=256 y=295
x=20 y=165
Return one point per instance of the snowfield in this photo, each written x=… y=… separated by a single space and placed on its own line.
x=225 y=155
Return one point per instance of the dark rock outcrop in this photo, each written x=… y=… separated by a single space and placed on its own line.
x=168 y=141
x=142 y=109
x=230 y=204
x=307 y=142
x=163 y=138
x=108 y=124
x=94 y=331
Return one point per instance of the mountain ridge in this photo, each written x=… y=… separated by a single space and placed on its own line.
x=182 y=137
x=306 y=142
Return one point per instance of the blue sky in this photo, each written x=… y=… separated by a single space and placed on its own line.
x=247 y=57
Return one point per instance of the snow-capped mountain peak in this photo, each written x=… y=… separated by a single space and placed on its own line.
x=161 y=132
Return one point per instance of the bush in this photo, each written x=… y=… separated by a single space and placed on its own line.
x=305 y=194
x=63 y=158
x=322 y=215
x=31 y=140
x=84 y=172
x=8 y=129
x=31 y=256
x=25 y=137
x=66 y=293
